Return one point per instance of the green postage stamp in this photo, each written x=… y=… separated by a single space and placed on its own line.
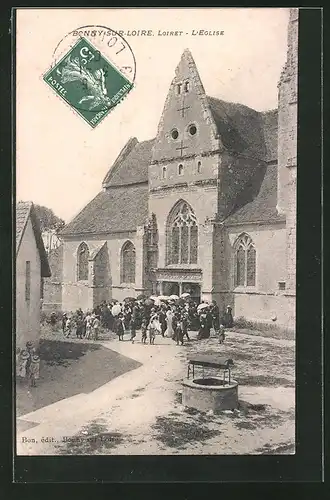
x=86 y=80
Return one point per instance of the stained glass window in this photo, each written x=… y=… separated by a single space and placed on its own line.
x=128 y=263
x=182 y=241
x=245 y=262
x=251 y=267
x=83 y=255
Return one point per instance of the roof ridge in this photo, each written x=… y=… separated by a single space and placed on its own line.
x=125 y=151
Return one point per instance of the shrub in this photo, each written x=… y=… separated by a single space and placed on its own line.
x=271 y=329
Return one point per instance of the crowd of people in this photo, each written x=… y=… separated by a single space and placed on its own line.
x=169 y=318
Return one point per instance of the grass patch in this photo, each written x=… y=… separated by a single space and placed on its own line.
x=254 y=416
x=243 y=325
x=175 y=434
x=68 y=369
x=61 y=353
x=281 y=449
x=92 y=438
x=264 y=381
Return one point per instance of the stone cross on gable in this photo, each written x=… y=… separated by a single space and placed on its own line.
x=183 y=108
x=181 y=148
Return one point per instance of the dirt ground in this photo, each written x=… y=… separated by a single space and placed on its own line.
x=140 y=412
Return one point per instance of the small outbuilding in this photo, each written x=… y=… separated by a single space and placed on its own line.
x=31 y=266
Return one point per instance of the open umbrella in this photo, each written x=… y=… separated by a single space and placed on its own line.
x=163 y=297
x=116 y=309
x=149 y=302
x=174 y=297
x=184 y=295
x=153 y=297
x=129 y=299
x=202 y=306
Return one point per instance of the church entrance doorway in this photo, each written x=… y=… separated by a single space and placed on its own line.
x=178 y=288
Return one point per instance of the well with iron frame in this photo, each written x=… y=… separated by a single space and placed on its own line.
x=210 y=392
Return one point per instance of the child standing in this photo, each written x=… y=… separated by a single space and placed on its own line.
x=120 y=327
x=34 y=370
x=144 y=331
x=22 y=361
x=221 y=334
x=96 y=327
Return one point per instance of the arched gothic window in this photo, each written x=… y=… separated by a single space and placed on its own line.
x=128 y=263
x=245 y=262
x=82 y=262
x=182 y=236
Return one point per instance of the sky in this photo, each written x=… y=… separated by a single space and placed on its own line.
x=60 y=161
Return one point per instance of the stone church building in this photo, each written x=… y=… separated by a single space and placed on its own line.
x=208 y=206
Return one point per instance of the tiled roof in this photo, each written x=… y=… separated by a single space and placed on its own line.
x=240 y=127
x=22 y=214
x=113 y=210
x=131 y=165
x=24 y=211
x=258 y=201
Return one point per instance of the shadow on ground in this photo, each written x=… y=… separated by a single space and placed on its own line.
x=68 y=369
x=92 y=439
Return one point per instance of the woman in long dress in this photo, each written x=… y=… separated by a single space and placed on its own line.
x=169 y=321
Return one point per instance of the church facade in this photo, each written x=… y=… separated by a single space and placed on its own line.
x=207 y=207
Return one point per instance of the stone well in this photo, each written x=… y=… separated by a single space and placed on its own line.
x=212 y=393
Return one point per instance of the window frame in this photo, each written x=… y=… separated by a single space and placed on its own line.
x=28 y=281
x=179 y=219
x=123 y=276
x=84 y=245
x=164 y=171
x=245 y=242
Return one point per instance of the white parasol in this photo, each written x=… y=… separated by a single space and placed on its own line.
x=202 y=306
x=185 y=295
x=174 y=297
x=163 y=297
x=116 y=309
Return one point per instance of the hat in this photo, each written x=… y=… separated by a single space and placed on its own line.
x=24 y=354
x=35 y=358
x=29 y=344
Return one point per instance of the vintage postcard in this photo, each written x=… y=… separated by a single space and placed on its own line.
x=156 y=170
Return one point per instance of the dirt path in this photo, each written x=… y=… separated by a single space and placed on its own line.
x=140 y=412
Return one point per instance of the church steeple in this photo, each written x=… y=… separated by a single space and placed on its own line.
x=186 y=126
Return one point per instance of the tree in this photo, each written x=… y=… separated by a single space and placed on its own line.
x=50 y=226
x=48 y=220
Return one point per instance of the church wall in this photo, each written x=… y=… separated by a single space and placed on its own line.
x=52 y=287
x=104 y=274
x=209 y=167
x=264 y=302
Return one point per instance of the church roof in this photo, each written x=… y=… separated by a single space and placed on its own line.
x=263 y=199
x=240 y=127
x=114 y=210
x=24 y=211
x=131 y=166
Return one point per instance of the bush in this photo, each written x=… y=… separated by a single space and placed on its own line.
x=270 y=329
x=45 y=316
